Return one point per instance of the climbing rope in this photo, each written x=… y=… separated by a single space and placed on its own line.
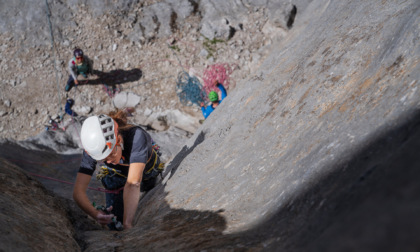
x=176 y=56
x=42 y=163
x=60 y=111
x=189 y=89
x=220 y=72
x=117 y=191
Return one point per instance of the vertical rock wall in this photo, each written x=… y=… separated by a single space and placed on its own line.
x=334 y=100
x=311 y=148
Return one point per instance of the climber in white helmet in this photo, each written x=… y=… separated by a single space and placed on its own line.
x=130 y=164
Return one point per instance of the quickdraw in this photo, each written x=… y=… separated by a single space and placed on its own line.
x=106 y=171
x=155 y=146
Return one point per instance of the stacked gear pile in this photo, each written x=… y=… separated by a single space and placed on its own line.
x=189 y=90
x=219 y=72
x=111 y=90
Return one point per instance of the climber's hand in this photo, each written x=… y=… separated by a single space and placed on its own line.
x=104 y=218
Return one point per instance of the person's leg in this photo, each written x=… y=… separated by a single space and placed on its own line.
x=114 y=182
x=70 y=83
x=117 y=203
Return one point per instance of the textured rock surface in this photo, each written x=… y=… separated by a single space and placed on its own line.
x=32 y=219
x=126 y=100
x=336 y=85
x=136 y=46
x=334 y=103
x=317 y=150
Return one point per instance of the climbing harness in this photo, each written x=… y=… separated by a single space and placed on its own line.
x=105 y=171
x=159 y=168
x=111 y=172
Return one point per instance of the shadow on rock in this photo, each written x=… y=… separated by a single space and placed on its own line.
x=372 y=205
x=55 y=171
x=162 y=228
x=174 y=164
x=369 y=201
x=115 y=77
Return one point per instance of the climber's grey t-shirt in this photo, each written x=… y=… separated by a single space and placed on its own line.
x=137 y=149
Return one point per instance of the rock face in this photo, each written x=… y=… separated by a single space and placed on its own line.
x=139 y=47
x=32 y=219
x=317 y=150
x=319 y=128
x=126 y=100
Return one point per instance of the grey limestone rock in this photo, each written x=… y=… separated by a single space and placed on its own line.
x=126 y=100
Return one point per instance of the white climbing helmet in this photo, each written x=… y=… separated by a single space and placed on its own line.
x=98 y=136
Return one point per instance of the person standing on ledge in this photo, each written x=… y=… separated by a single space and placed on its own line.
x=79 y=64
x=214 y=98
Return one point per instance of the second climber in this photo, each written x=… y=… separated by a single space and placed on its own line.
x=214 y=98
x=80 y=64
